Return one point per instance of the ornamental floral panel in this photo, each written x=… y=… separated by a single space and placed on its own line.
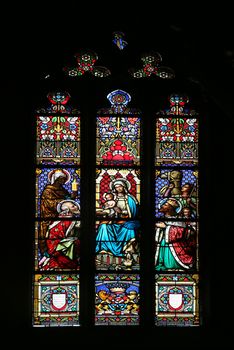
x=177 y=141
x=117 y=299
x=58 y=131
x=118 y=140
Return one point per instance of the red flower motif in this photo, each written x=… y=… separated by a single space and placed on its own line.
x=132 y=120
x=118 y=142
x=104 y=120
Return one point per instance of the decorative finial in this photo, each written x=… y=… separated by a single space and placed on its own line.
x=119 y=100
x=177 y=103
x=58 y=97
x=58 y=101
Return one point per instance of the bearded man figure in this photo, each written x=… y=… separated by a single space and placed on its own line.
x=175 y=240
x=62 y=239
x=53 y=193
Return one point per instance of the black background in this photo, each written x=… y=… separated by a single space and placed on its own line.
x=38 y=41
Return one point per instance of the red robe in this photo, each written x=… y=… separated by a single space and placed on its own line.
x=50 y=198
x=182 y=247
x=180 y=240
x=59 y=232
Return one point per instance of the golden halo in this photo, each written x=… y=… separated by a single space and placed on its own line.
x=65 y=172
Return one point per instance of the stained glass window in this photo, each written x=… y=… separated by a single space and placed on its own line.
x=57 y=214
x=86 y=63
x=118 y=221
x=176 y=215
x=117 y=212
x=152 y=65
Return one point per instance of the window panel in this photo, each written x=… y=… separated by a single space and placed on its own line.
x=177 y=301
x=176 y=246
x=57 y=210
x=118 y=177
x=117 y=299
x=54 y=186
x=108 y=182
x=117 y=245
x=176 y=137
x=58 y=132
x=177 y=215
x=118 y=140
x=57 y=245
x=181 y=187
x=56 y=300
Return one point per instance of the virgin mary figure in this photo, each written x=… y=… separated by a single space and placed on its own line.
x=120 y=238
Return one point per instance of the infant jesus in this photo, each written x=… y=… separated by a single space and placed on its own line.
x=109 y=207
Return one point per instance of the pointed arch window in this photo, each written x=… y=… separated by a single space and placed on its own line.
x=118 y=160
x=57 y=214
x=176 y=215
x=117 y=285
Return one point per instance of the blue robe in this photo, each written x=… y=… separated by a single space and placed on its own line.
x=113 y=237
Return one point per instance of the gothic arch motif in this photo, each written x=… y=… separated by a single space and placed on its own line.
x=117 y=232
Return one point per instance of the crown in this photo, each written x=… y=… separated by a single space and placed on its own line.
x=173 y=202
x=118 y=287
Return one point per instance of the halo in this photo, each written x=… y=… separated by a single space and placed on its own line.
x=120 y=180
x=164 y=200
x=64 y=201
x=68 y=176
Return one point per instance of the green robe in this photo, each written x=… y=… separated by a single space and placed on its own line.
x=165 y=258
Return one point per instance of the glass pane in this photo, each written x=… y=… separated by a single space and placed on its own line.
x=177 y=129
x=177 y=141
x=117 y=193
x=85 y=61
x=117 y=299
x=56 y=300
x=176 y=244
x=58 y=139
x=177 y=301
x=57 y=245
x=118 y=140
x=117 y=245
x=57 y=192
x=176 y=193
